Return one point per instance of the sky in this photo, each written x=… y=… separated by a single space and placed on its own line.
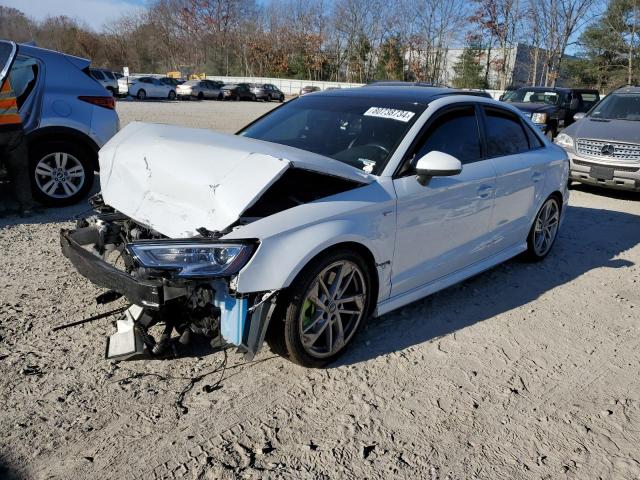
x=92 y=12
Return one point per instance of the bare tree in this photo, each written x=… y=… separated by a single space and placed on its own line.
x=560 y=19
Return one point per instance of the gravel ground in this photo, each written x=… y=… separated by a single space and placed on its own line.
x=526 y=371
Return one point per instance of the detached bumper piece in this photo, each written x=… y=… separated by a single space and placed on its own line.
x=127 y=342
x=147 y=293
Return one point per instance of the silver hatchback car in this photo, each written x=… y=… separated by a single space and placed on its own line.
x=604 y=145
x=64 y=126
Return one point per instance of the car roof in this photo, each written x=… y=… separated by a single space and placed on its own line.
x=558 y=89
x=627 y=89
x=404 y=93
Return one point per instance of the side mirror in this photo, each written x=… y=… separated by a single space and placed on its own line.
x=575 y=103
x=436 y=164
x=579 y=115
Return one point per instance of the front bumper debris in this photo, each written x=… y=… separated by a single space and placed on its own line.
x=148 y=293
x=202 y=306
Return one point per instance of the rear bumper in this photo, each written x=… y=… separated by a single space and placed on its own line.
x=146 y=293
x=623 y=177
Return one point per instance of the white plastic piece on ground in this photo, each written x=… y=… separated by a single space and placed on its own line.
x=124 y=343
x=177 y=179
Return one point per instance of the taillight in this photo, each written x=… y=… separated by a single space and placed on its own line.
x=105 y=102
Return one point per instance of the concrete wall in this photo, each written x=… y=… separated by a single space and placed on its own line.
x=288 y=86
x=293 y=86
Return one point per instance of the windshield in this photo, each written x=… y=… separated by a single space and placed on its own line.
x=361 y=132
x=524 y=95
x=618 y=106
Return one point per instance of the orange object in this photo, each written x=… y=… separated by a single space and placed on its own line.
x=9 y=114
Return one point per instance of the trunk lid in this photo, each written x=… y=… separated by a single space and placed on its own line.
x=177 y=179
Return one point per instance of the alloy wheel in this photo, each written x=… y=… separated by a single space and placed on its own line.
x=59 y=175
x=332 y=309
x=546 y=227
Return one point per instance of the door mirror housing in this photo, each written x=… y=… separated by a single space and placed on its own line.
x=436 y=164
x=579 y=115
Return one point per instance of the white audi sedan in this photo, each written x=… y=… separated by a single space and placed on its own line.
x=330 y=209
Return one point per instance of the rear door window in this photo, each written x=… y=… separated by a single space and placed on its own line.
x=97 y=74
x=24 y=75
x=504 y=132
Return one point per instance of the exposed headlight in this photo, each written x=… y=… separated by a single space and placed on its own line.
x=193 y=259
x=564 y=140
x=539 y=118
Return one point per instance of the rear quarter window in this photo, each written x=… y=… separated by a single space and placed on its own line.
x=505 y=133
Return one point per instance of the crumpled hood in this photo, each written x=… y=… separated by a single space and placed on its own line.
x=177 y=179
x=618 y=130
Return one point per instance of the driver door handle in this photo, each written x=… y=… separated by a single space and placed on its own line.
x=484 y=191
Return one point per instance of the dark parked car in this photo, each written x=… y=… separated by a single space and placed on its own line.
x=552 y=108
x=308 y=89
x=267 y=92
x=240 y=91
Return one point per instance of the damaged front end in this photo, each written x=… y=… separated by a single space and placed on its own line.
x=185 y=285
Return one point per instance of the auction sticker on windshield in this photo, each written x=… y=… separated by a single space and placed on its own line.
x=392 y=113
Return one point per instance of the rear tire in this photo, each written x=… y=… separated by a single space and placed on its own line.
x=200 y=96
x=544 y=230
x=57 y=186
x=172 y=95
x=329 y=320
x=141 y=95
x=281 y=98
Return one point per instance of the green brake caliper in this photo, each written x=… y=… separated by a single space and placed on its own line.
x=308 y=312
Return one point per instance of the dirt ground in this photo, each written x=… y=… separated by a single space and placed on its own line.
x=526 y=371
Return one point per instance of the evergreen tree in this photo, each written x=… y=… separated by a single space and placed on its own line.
x=390 y=60
x=469 y=69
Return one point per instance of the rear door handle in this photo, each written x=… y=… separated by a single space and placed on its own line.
x=536 y=176
x=484 y=191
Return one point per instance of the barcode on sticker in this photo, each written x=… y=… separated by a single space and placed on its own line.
x=392 y=113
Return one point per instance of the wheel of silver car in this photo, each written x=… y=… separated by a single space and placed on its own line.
x=62 y=172
x=326 y=306
x=544 y=230
x=332 y=309
x=141 y=94
x=172 y=95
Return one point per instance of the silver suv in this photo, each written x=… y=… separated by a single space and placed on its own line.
x=604 y=145
x=65 y=127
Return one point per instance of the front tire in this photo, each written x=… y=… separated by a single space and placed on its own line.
x=325 y=307
x=172 y=95
x=544 y=230
x=141 y=95
x=61 y=172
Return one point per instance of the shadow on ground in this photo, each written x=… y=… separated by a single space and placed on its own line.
x=590 y=239
x=7 y=472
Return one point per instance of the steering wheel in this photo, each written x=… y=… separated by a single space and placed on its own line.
x=379 y=147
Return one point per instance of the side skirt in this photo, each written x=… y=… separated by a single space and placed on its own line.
x=420 y=292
